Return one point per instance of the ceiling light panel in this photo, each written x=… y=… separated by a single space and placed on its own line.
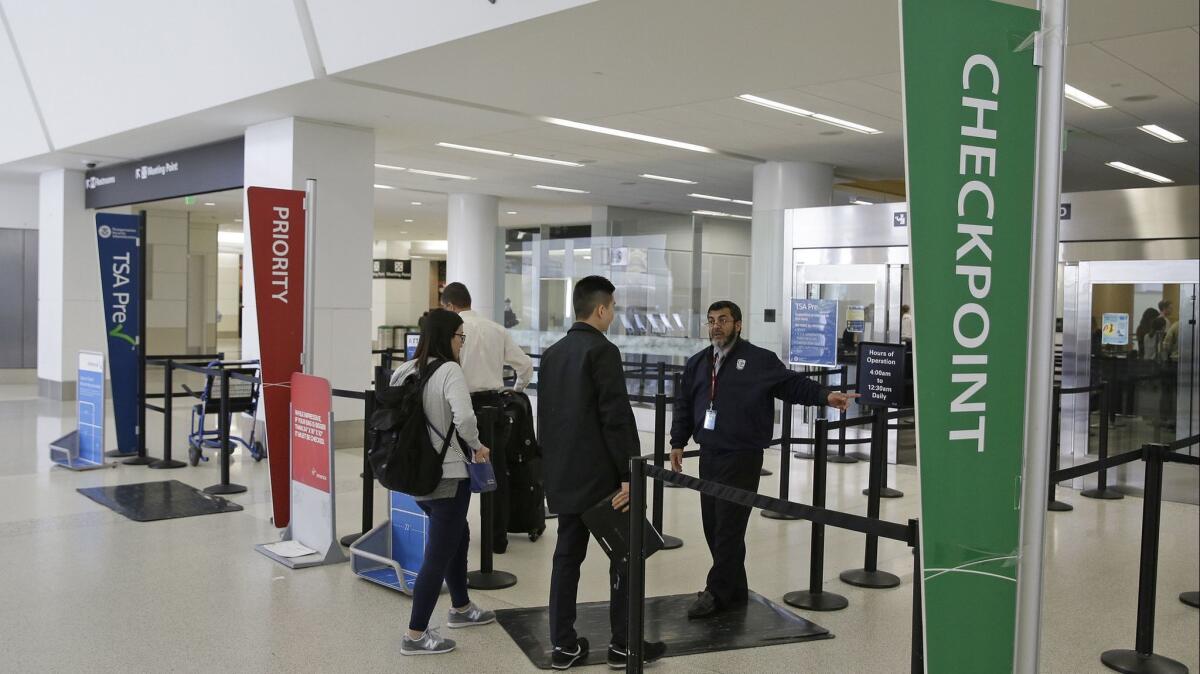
x=1141 y=173
x=560 y=189
x=1162 y=134
x=628 y=134
x=383 y=187
x=1083 y=98
x=667 y=179
x=439 y=174
x=390 y=167
x=801 y=112
x=709 y=197
x=514 y=155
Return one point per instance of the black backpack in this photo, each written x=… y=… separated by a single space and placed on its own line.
x=401 y=455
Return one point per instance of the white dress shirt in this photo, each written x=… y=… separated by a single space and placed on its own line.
x=485 y=353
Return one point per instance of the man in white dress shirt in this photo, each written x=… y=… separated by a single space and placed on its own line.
x=487 y=349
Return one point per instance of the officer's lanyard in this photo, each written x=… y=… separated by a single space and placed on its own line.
x=712 y=382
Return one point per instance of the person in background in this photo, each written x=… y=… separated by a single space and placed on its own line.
x=726 y=402
x=1144 y=329
x=588 y=434
x=906 y=324
x=510 y=316
x=447 y=407
x=483 y=359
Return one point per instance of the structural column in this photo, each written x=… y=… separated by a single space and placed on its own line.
x=472 y=253
x=778 y=186
x=70 y=316
x=283 y=154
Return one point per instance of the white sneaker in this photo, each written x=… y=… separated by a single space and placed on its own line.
x=430 y=643
x=470 y=617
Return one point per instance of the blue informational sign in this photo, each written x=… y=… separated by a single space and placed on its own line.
x=814 y=332
x=1114 y=329
x=90 y=407
x=411 y=341
x=117 y=237
x=410 y=533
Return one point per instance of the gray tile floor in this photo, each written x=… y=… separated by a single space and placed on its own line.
x=83 y=589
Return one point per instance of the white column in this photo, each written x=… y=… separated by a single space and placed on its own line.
x=473 y=221
x=778 y=186
x=70 y=316
x=283 y=154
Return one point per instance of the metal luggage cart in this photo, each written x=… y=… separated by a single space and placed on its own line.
x=243 y=397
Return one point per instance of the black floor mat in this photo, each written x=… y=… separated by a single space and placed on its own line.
x=761 y=622
x=150 y=501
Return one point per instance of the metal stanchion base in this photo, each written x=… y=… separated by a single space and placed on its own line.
x=772 y=515
x=349 y=539
x=492 y=580
x=1132 y=662
x=763 y=472
x=671 y=542
x=168 y=463
x=230 y=488
x=1060 y=507
x=838 y=458
x=886 y=492
x=806 y=456
x=139 y=461
x=118 y=454
x=870 y=579
x=816 y=601
x=1108 y=494
x=861 y=456
x=1190 y=598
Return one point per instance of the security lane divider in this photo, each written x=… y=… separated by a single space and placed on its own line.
x=869 y=576
x=660 y=449
x=169 y=363
x=1102 y=490
x=368 y=478
x=1142 y=657
x=884 y=490
x=141 y=457
x=815 y=598
x=640 y=469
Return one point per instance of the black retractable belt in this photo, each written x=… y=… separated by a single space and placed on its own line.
x=1053 y=504
x=785 y=464
x=815 y=598
x=870 y=576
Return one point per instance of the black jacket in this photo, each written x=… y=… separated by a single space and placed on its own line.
x=749 y=380
x=585 y=424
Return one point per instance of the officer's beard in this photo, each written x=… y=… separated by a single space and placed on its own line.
x=728 y=341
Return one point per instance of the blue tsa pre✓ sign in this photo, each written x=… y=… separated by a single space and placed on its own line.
x=119 y=243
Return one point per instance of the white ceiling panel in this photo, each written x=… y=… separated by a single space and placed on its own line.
x=1171 y=55
x=99 y=68
x=1093 y=20
x=860 y=95
x=20 y=131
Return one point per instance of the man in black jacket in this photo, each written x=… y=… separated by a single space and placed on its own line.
x=588 y=434
x=726 y=402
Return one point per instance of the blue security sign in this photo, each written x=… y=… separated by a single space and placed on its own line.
x=90 y=407
x=814 y=332
x=119 y=242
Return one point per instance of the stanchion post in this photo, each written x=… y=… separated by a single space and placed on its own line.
x=1102 y=490
x=870 y=576
x=1142 y=658
x=225 y=487
x=842 y=456
x=678 y=386
x=785 y=463
x=168 y=404
x=660 y=449
x=368 y=478
x=815 y=598
x=487 y=577
x=636 y=577
x=1053 y=504
x=884 y=490
x=918 y=623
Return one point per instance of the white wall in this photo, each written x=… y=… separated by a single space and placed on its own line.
x=398 y=301
x=18 y=195
x=228 y=281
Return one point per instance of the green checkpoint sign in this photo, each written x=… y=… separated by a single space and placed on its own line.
x=970 y=103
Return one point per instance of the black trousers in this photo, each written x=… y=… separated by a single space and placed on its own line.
x=725 y=522
x=488 y=414
x=569 y=554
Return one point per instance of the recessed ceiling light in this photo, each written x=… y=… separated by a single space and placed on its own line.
x=667 y=179
x=470 y=148
x=628 y=134
x=383 y=187
x=408 y=219
x=801 y=112
x=390 y=167
x=560 y=189
x=1122 y=166
x=1084 y=98
x=514 y=155
x=510 y=212
x=546 y=160
x=709 y=197
x=860 y=202
x=1162 y=134
x=415 y=203
x=404 y=231
x=237 y=219
x=439 y=174
x=719 y=214
x=743 y=202
x=210 y=203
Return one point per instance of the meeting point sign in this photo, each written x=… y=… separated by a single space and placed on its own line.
x=970 y=101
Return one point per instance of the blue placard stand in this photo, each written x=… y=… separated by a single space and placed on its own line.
x=391 y=554
x=83 y=449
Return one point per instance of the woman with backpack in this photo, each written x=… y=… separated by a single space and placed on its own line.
x=447 y=406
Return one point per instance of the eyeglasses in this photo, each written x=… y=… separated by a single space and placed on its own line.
x=722 y=321
x=461 y=336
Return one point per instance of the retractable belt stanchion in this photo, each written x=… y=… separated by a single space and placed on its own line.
x=870 y=576
x=167 y=409
x=884 y=490
x=1102 y=490
x=225 y=487
x=636 y=577
x=487 y=577
x=1053 y=504
x=677 y=386
x=368 y=478
x=815 y=598
x=842 y=456
x=805 y=454
x=917 y=662
x=1142 y=659
x=660 y=444
x=785 y=464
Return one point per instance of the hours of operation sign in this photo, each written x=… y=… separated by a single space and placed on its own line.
x=880 y=374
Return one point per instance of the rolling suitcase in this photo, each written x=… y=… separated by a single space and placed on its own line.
x=527 y=500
